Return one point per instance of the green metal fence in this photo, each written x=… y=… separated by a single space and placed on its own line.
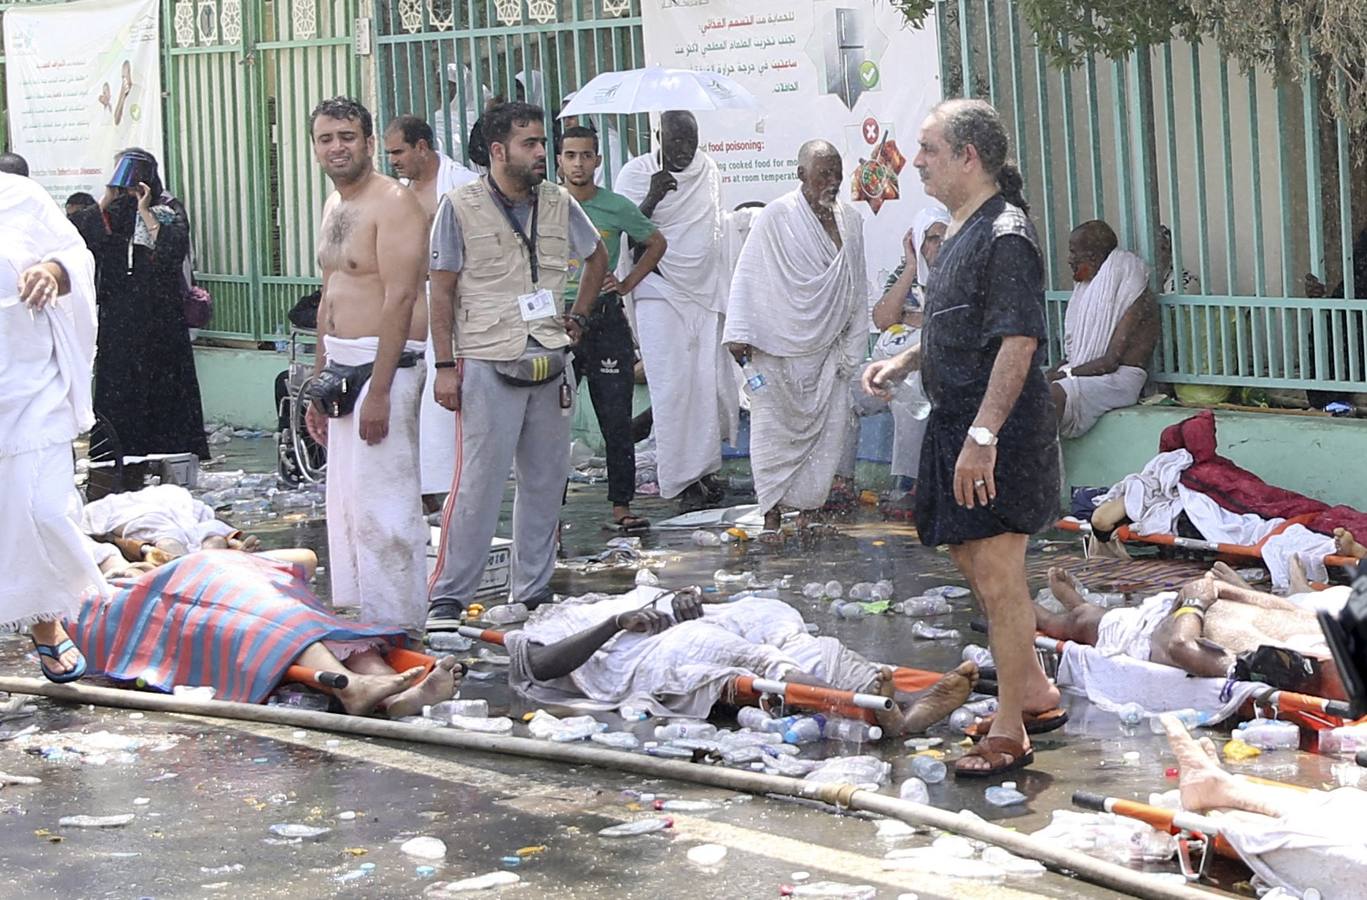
x=1254 y=180
x=444 y=60
x=240 y=80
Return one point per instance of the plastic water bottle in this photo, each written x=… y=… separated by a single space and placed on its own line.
x=806 y=730
x=640 y=826
x=928 y=769
x=443 y=711
x=1131 y=714
x=693 y=730
x=1004 y=794
x=506 y=614
x=633 y=713
x=851 y=610
x=931 y=633
x=851 y=731
x=706 y=539
x=1190 y=718
x=754 y=718
x=979 y=656
x=919 y=607
x=617 y=740
x=914 y=789
x=911 y=394
x=814 y=590
x=1270 y=734
x=833 y=590
x=882 y=590
x=754 y=378
x=830 y=890
x=861 y=591
x=961 y=718
x=282 y=342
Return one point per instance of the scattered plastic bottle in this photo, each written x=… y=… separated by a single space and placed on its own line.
x=1131 y=714
x=1190 y=718
x=706 y=539
x=914 y=789
x=928 y=769
x=506 y=614
x=1269 y=734
x=677 y=730
x=443 y=711
x=617 y=740
x=980 y=656
x=579 y=728
x=859 y=770
x=861 y=591
x=1004 y=794
x=831 y=890
x=931 y=633
x=852 y=731
x=638 y=827
x=814 y=590
x=633 y=713
x=646 y=578
x=499 y=725
x=198 y=692
x=740 y=756
x=851 y=610
x=754 y=718
x=284 y=830
x=984 y=707
x=920 y=607
x=882 y=590
x=806 y=730
x=754 y=378
x=685 y=805
x=832 y=590
x=960 y=719
x=301 y=700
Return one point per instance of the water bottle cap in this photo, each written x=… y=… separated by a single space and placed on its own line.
x=875 y=733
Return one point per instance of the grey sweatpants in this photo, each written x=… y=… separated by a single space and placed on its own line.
x=503 y=427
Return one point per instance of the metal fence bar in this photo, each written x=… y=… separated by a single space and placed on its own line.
x=966 y=50
x=1013 y=39
x=990 y=32
x=1314 y=203
x=1093 y=117
x=1069 y=145
x=1199 y=143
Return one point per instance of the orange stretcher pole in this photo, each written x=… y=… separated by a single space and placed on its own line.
x=305 y=675
x=1125 y=535
x=1169 y=820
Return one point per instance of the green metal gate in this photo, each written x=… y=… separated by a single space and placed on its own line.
x=240 y=80
x=539 y=50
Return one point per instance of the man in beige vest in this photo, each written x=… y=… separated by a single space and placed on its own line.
x=500 y=254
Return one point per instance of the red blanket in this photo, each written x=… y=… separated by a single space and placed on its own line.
x=1239 y=490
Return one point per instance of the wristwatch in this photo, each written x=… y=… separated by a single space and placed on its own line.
x=981 y=436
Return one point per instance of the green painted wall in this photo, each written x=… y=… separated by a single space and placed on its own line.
x=238 y=386
x=1317 y=456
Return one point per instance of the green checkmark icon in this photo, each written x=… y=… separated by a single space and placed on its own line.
x=868 y=73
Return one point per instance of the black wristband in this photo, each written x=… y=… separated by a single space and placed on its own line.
x=444 y=364
x=581 y=320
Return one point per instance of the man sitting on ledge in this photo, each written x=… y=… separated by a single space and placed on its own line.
x=675 y=656
x=1109 y=330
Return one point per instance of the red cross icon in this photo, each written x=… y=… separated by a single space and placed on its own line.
x=871 y=130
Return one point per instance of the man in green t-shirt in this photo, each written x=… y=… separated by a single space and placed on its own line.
x=606 y=353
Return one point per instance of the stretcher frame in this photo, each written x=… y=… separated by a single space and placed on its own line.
x=1126 y=535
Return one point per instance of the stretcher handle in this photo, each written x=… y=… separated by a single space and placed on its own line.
x=1089 y=800
x=487 y=635
x=305 y=675
x=804 y=692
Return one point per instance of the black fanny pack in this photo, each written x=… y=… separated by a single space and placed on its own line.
x=335 y=389
x=536 y=366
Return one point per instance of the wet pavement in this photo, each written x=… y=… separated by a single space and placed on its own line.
x=205 y=793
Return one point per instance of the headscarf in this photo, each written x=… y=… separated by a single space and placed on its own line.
x=927 y=217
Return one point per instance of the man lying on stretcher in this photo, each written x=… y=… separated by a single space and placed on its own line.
x=675 y=656
x=1201 y=629
x=236 y=622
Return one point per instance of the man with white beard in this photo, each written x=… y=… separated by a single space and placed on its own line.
x=798 y=321
x=679 y=311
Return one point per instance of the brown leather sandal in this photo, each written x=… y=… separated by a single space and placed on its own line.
x=1035 y=723
x=1002 y=755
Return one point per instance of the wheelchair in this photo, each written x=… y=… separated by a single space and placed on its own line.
x=301 y=459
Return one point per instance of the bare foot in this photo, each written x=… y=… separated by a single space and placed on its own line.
x=1066 y=588
x=1346 y=545
x=1224 y=573
x=1202 y=784
x=943 y=697
x=364 y=692
x=440 y=684
x=1298 y=581
x=51 y=633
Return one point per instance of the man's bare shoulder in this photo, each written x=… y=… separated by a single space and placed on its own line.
x=392 y=199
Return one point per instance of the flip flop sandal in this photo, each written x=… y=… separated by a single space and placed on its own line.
x=771 y=537
x=1035 y=723
x=639 y=523
x=1002 y=755
x=55 y=654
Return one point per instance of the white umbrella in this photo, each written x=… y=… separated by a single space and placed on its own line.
x=656 y=89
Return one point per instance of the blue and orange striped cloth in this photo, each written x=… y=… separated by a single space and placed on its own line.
x=231 y=620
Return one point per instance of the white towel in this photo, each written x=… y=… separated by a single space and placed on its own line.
x=1097 y=306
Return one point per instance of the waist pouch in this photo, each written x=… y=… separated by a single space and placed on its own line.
x=335 y=389
x=537 y=365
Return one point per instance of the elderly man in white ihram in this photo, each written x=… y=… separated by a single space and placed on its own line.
x=798 y=323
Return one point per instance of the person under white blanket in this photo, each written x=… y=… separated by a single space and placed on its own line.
x=164 y=517
x=1109 y=330
x=667 y=651
x=679 y=311
x=798 y=315
x=1293 y=839
x=47 y=348
x=431 y=175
